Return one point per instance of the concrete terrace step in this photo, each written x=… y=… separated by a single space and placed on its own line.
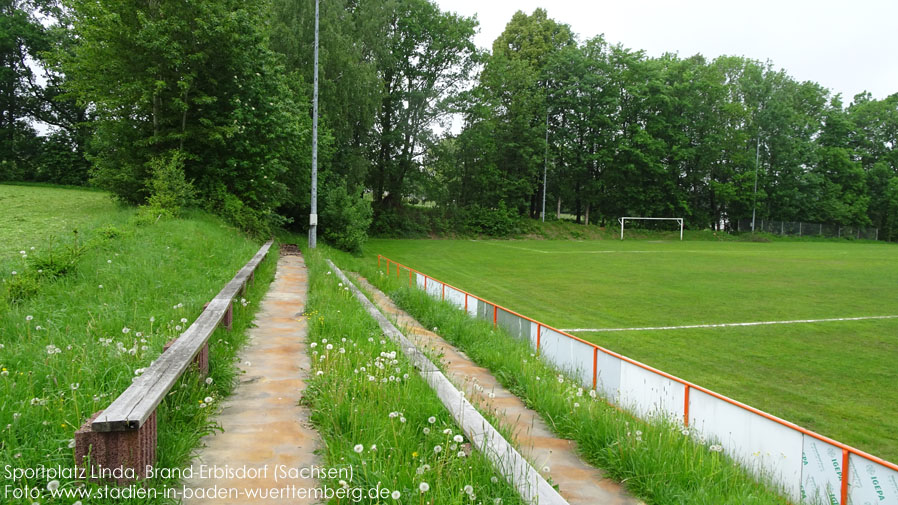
x=578 y=482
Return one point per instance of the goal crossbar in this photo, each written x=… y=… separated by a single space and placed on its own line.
x=633 y=218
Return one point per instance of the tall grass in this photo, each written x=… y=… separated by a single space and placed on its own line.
x=376 y=414
x=660 y=462
x=75 y=344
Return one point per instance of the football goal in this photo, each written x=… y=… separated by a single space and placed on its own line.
x=623 y=220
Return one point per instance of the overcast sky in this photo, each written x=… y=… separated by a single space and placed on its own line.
x=848 y=46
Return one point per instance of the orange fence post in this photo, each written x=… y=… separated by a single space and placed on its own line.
x=686 y=406
x=388 y=266
x=595 y=366
x=495 y=314
x=409 y=277
x=539 y=331
x=378 y=261
x=443 y=294
x=844 y=500
x=425 y=283
x=466 y=301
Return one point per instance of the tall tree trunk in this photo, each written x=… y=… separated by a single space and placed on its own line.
x=587 y=214
x=558 y=209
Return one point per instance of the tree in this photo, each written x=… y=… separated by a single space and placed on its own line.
x=515 y=81
x=198 y=79
x=874 y=140
x=21 y=38
x=427 y=59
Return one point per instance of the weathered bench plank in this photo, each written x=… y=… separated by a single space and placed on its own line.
x=138 y=402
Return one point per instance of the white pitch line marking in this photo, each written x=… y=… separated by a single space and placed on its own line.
x=723 y=325
x=573 y=252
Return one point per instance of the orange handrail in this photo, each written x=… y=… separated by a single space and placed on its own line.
x=847 y=449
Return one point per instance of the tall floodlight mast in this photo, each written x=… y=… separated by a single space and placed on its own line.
x=754 y=201
x=313 y=213
x=545 y=164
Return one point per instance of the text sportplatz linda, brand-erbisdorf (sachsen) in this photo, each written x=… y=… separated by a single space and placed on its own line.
x=276 y=472
x=67 y=482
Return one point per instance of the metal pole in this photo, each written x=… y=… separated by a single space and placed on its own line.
x=313 y=213
x=754 y=203
x=545 y=163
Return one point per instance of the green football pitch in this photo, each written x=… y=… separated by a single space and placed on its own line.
x=810 y=366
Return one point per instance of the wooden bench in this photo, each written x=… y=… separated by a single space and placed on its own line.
x=122 y=437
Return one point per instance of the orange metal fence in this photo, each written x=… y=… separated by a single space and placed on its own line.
x=842 y=468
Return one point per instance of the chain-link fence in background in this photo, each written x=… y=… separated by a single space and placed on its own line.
x=801 y=229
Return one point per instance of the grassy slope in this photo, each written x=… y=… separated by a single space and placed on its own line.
x=33 y=215
x=166 y=272
x=835 y=378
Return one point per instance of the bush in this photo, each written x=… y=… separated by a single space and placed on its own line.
x=170 y=190
x=400 y=223
x=345 y=219
x=495 y=222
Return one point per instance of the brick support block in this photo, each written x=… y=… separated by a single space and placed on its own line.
x=229 y=316
x=119 y=456
x=201 y=360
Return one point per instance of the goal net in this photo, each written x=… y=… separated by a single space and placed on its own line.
x=623 y=221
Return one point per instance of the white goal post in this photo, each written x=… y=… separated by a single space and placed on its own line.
x=624 y=219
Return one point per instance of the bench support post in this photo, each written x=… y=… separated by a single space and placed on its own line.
x=120 y=456
x=229 y=316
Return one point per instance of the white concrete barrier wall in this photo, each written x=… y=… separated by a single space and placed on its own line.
x=649 y=394
x=568 y=355
x=809 y=470
x=435 y=289
x=517 y=326
x=767 y=448
x=455 y=297
x=821 y=471
x=870 y=483
x=608 y=376
x=473 y=305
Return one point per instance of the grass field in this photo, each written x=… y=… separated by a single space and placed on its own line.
x=77 y=340
x=837 y=378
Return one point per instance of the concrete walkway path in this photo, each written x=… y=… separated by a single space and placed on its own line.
x=578 y=482
x=264 y=428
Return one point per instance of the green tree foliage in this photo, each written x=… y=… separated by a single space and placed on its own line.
x=31 y=32
x=666 y=136
x=21 y=37
x=200 y=79
x=426 y=59
x=874 y=140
